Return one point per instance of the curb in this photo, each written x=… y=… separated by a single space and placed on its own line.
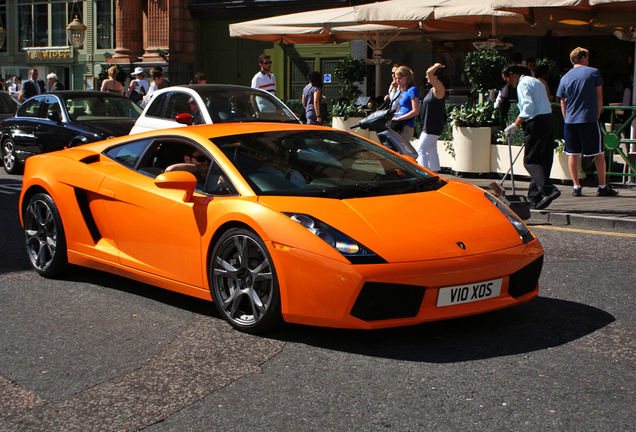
x=538 y=217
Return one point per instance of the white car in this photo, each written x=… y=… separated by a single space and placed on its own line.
x=176 y=106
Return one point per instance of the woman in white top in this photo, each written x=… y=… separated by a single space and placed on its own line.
x=157 y=79
x=140 y=80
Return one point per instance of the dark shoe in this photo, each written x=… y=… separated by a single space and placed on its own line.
x=606 y=191
x=577 y=191
x=547 y=200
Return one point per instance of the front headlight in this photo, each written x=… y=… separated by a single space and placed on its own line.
x=524 y=232
x=355 y=252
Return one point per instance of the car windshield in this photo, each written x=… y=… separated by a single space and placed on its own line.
x=101 y=107
x=322 y=163
x=231 y=105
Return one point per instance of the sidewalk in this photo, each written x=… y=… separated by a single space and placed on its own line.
x=587 y=211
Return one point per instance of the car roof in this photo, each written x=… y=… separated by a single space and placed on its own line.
x=66 y=94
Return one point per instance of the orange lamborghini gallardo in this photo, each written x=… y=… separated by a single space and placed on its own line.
x=279 y=223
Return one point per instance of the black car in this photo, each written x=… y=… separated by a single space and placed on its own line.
x=53 y=121
x=8 y=106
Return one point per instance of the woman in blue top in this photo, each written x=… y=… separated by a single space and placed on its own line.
x=409 y=102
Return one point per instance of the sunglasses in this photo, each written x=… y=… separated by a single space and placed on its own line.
x=267 y=62
x=200 y=158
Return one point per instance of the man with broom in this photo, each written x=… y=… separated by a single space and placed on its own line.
x=535 y=116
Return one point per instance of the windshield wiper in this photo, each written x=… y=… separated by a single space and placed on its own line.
x=421 y=186
x=350 y=191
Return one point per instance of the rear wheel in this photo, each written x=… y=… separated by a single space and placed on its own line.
x=44 y=236
x=10 y=162
x=244 y=283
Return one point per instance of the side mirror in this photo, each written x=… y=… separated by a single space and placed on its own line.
x=179 y=180
x=54 y=116
x=185 y=119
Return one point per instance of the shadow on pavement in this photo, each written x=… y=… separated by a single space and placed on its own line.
x=539 y=324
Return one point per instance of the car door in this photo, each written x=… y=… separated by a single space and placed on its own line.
x=156 y=231
x=53 y=132
x=22 y=128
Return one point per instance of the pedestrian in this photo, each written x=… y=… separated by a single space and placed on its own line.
x=157 y=79
x=532 y=65
x=535 y=116
x=164 y=81
x=111 y=84
x=54 y=83
x=14 y=89
x=543 y=74
x=394 y=89
x=432 y=117
x=2 y=85
x=312 y=96
x=264 y=79
x=32 y=87
x=581 y=93
x=409 y=104
x=138 y=88
x=199 y=78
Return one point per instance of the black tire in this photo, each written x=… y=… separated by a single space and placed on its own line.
x=243 y=282
x=9 y=160
x=44 y=236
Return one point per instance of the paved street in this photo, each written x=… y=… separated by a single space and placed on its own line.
x=98 y=352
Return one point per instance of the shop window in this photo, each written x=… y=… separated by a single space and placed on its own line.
x=104 y=28
x=33 y=22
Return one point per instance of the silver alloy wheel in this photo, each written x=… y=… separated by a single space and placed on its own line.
x=41 y=232
x=8 y=155
x=243 y=282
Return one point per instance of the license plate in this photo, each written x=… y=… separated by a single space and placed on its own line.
x=468 y=293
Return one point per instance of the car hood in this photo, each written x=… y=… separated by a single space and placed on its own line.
x=107 y=128
x=410 y=227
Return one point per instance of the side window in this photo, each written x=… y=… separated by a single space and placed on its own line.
x=127 y=154
x=52 y=109
x=30 y=108
x=156 y=105
x=219 y=183
x=179 y=103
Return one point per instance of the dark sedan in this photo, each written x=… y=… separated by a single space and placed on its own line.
x=52 y=121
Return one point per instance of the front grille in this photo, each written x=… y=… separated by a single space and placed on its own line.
x=525 y=280
x=382 y=301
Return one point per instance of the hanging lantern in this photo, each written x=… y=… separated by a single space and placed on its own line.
x=76 y=32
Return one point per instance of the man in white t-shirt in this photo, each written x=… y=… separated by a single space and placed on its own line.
x=264 y=79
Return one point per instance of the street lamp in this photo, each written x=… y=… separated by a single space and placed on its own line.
x=76 y=31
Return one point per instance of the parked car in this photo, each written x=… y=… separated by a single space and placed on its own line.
x=8 y=106
x=52 y=121
x=207 y=104
x=279 y=222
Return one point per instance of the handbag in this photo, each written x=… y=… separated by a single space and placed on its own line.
x=137 y=94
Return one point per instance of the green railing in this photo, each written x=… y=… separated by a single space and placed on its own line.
x=613 y=140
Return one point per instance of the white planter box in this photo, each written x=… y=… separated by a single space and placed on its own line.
x=340 y=123
x=500 y=159
x=445 y=159
x=472 y=149
x=500 y=163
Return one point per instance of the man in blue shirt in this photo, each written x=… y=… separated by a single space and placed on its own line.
x=535 y=116
x=581 y=93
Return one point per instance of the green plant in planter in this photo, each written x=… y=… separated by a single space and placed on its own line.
x=478 y=115
x=344 y=110
x=348 y=71
x=483 y=70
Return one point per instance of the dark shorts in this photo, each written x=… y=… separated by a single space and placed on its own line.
x=583 y=138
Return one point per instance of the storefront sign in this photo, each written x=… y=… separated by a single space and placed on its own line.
x=49 y=55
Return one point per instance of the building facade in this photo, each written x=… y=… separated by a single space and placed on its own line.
x=131 y=33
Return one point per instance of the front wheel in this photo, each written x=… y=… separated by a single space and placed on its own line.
x=9 y=160
x=244 y=283
x=44 y=236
